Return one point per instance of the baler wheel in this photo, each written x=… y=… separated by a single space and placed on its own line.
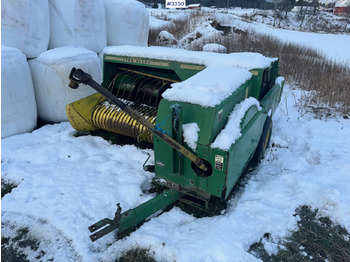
x=264 y=140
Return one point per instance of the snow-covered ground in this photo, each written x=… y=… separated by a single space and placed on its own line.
x=332 y=46
x=66 y=183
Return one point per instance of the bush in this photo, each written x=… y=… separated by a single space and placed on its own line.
x=136 y=255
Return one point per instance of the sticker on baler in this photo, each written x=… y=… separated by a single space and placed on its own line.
x=219 y=162
x=161 y=164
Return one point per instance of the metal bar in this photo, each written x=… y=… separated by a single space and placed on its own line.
x=134 y=216
x=100 y=224
x=150 y=75
x=78 y=76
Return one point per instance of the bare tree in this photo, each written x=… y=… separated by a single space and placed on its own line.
x=275 y=2
x=315 y=5
x=347 y=21
x=287 y=5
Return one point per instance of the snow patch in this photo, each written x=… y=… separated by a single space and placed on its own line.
x=214 y=48
x=279 y=80
x=190 y=133
x=232 y=131
x=165 y=38
x=343 y=3
x=246 y=60
x=209 y=87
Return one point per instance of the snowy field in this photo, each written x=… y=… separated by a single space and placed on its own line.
x=66 y=183
x=334 y=47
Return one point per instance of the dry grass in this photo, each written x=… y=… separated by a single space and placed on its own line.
x=327 y=81
x=315 y=239
x=6 y=188
x=136 y=255
x=302 y=66
x=178 y=27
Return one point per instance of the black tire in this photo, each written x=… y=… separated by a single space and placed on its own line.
x=264 y=140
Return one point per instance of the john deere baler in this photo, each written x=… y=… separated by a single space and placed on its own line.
x=208 y=115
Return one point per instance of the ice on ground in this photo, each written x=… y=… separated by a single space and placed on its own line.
x=25 y=25
x=50 y=71
x=127 y=23
x=78 y=23
x=190 y=134
x=18 y=105
x=232 y=131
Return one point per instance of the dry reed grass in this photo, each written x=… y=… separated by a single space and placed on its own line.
x=327 y=80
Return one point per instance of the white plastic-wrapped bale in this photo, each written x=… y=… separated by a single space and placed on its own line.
x=78 y=23
x=50 y=71
x=18 y=106
x=127 y=23
x=25 y=24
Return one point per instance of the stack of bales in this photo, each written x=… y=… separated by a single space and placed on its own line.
x=18 y=107
x=52 y=36
x=50 y=71
x=127 y=23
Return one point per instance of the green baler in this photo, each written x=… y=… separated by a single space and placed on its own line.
x=144 y=87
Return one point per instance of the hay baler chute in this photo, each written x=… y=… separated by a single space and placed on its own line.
x=192 y=175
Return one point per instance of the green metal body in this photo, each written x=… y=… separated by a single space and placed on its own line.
x=133 y=217
x=172 y=170
x=227 y=165
x=175 y=71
